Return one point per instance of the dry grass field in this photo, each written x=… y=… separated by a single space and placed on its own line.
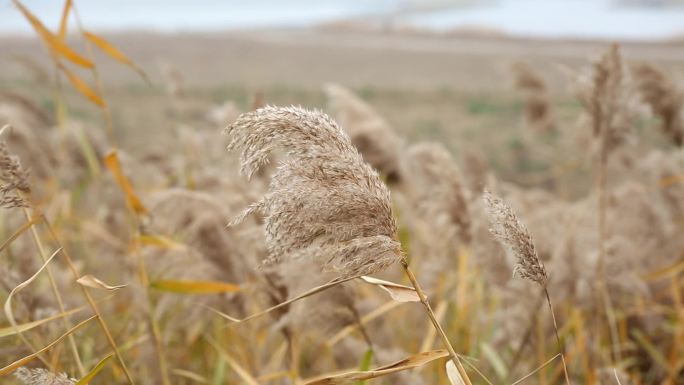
x=336 y=205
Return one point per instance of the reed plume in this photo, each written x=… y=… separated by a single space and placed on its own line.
x=665 y=100
x=324 y=202
x=437 y=186
x=369 y=132
x=42 y=377
x=610 y=101
x=538 y=111
x=512 y=234
x=14 y=179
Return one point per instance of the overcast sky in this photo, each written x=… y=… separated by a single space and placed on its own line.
x=540 y=18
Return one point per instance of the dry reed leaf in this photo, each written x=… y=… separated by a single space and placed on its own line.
x=453 y=374
x=20 y=328
x=410 y=362
x=53 y=42
x=399 y=293
x=111 y=161
x=194 y=287
x=64 y=20
x=23 y=361
x=114 y=52
x=85 y=380
x=94 y=282
x=82 y=87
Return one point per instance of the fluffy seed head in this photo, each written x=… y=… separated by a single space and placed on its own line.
x=610 y=100
x=12 y=178
x=513 y=235
x=324 y=202
x=438 y=191
x=42 y=377
x=370 y=133
x=665 y=100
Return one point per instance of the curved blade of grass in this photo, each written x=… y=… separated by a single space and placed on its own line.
x=19 y=231
x=495 y=360
x=94 y=371
x=364 y=320
x=194 y=287
x=190 y=375
x=20 y=328
x=82 y=87
x=668 y=271
x=114 y=53
x=51 y=41
x=8 y=302
x=64 y=20
x=410 y=362
x=111 y=160
x=242 y=372
x=365 y=364
x=307 y=293
x=23 y=361
x=652 y=350
x=542 y=366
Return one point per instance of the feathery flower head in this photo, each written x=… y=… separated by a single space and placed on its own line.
x=512 y=234
x=324 y=202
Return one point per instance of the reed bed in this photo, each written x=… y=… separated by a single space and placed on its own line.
x=306 y=248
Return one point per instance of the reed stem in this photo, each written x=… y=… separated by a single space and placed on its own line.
x=558 y=341
x=423 y=299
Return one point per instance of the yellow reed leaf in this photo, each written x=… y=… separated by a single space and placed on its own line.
x=94 y=371
x=111 y=161
x=56 y=45
x=160 y=241
x=194 y=287
x=65 y=18
x=113 y=52
x=82 y=87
